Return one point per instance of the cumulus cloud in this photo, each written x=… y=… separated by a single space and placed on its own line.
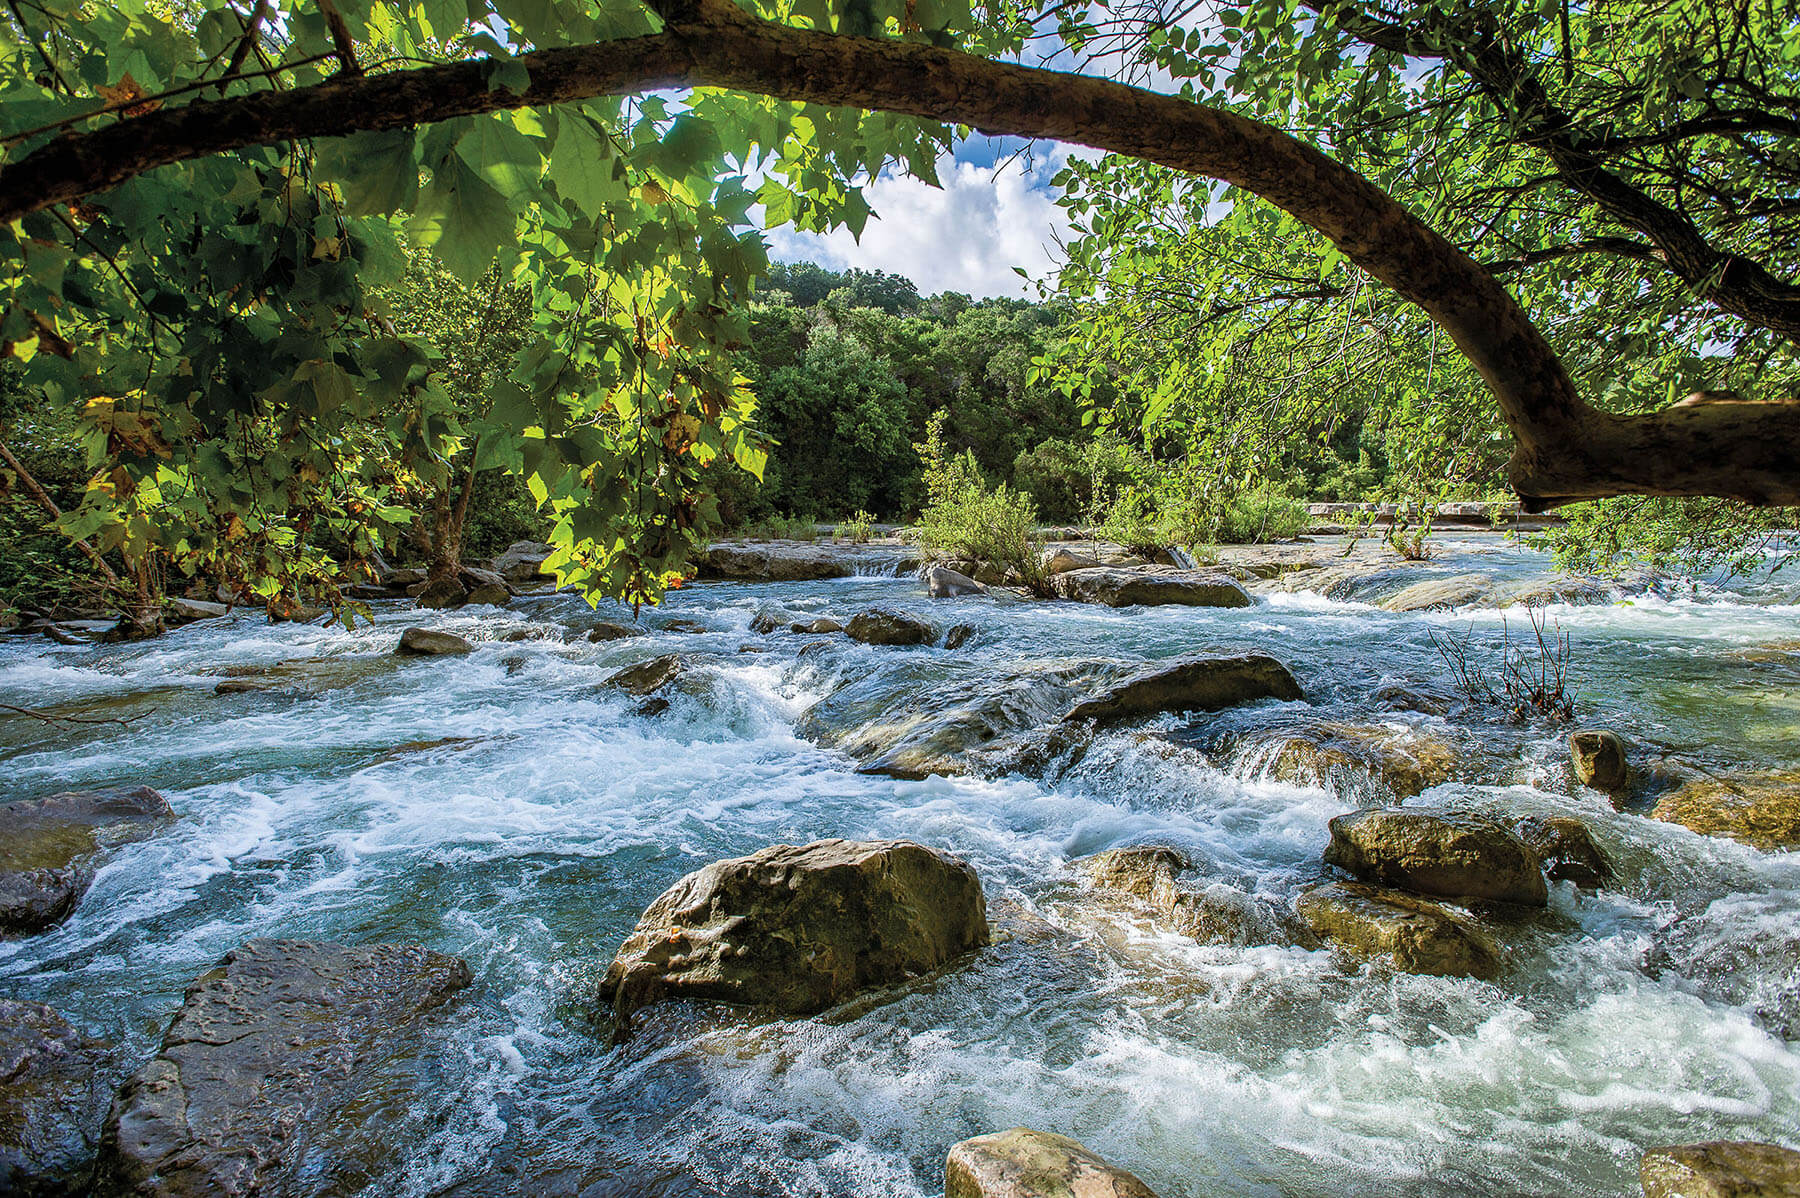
x=967 y=236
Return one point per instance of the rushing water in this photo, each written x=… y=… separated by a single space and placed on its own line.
x=338 y=807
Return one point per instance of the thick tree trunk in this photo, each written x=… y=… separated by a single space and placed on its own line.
x=1565 y=449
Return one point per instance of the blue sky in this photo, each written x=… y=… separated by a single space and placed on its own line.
x=996 y=211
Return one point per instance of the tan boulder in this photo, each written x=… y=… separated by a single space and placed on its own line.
x=1567 y=848
x=1597 y=755
x=1215 y=914
x=1435 y=594
x=1198 y=684
x=1446 y=854
x=1115 y=587
x=1721 y=1169
x=1418 y=935
x=1022 y=1163
x=798 y=929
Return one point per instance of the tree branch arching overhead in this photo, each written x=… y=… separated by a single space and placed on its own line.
x=1565 y=449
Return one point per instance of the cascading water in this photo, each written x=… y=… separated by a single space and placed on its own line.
x=506 y=807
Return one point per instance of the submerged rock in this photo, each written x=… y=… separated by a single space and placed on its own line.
x=1760 y=810
x=53 y=1097
x=881 y=626
x=264 y=1045
x=425 y=642
x=1199 y=684
x=1022 y=1163
x=944 y=583
x=1117 y=587
x=1597 y=755
x=1567 y=849
x=607 y=630
x=1448 y=854
x=1434 y=594
x=1360 y=761
x=797 y=930
x=45 y=843
x=647 y=677
x=959 y=635
x=1721 y=1169
x=1420 y=936
x=1216 y=914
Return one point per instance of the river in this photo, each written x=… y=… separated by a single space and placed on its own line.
x=337 y=806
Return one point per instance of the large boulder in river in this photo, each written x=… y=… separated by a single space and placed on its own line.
x=1418 y=935
x=1760 y=810
x=1448 y=854
x=797 y=930
x=1198 y=684
x=53 y=1096
x=45 y=845
x=1597 y=756
x=426 y=642
x=1721 y=1169
x=1436 y=594
x=647 y=677
x=1022 y=1163
x=941 y=582
x=1567 y=848
x=883 y=626
x=277 y=1035
x=523 y=561
x=1131 y=588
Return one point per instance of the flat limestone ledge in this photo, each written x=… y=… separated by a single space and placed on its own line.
x=1022 y=1163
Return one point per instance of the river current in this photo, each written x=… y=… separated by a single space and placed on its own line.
x=505 y=807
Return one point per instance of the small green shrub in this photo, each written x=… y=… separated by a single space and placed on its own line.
x=857 y=527
x=1267 y=513
x=780 y=528
x=965 y=520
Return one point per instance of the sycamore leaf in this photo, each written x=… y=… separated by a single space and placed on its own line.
x=462 y=220
x=582 y=166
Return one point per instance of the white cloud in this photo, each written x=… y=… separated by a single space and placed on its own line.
x=966 y=237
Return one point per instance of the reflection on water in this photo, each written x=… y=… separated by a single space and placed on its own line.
x=505 y=807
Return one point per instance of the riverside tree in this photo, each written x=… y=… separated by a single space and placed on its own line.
x=200 y=202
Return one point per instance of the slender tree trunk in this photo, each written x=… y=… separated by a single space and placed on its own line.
x=42 y=497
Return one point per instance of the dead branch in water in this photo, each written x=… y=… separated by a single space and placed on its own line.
x=48 y=718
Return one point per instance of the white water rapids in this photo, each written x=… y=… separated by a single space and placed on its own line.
x=334 y=807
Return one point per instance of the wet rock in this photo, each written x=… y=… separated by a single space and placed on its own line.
x=818 y=627
x=606 y=630
x=244 y=686
x=1760 y=810
x=1211 y=914
x=264 y=1045
x=186 y=611
x=45 y=843
x=1597 y=755
x=523 y=561
x=1061 y=561
x=1130 y=588
x=769 y=620
x=779 y=562
x=1568 y=851
x=647 y=677
x=881 y=626
x=1721 y=1169
x=1022 y=1163
x=441 y=594
x=489 y=595
x=1200 y=684
x=399 y=580
x=53 y=1096
x=687 y=627
x=1418 y=935
x=1395 y=697
x=959 y=635
x=1435 y=594
x=797 y=930
x=425 y=642
x=65 y=636
x=944 y=583
x=1448 y=854
x=1358 y=760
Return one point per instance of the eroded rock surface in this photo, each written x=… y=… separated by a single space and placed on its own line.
x=1721 y=1169
x=1022 y=1163
x=1118 y=587
x=1418 y=935
x=1447 y=854
x=263 y=1046
x=648 y=677
x=1211 y=914
x=45 y=845
x=1598 y=758
x=1761 y=810
x=882 y=626
x=426 y=642
x=1199 y=684
x=798 y=929
x=54 y=1092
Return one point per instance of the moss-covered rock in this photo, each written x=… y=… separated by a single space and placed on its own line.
x=1022 y=1163
x=1761 y=810
x=1446 y=854
x=1199 y=684
x=795 y=930
x=1721 y=1169
x=1417 y=935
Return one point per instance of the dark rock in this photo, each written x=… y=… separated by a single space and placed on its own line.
x=1721 y=1169
x=770 y=620
x=489 y=594
x=959 y=636
x=444 y=593
x=264 y=1045
x=1598 y=759
x=424 y=642
x=647 y=676
x=1022 y=1163
x=243 y=686
x=63 y=636
x=53 y=1096
x=399 y=580
x=44 y=844
x=1419 y=936
x=797 y=930
x=606 y=630
x=1568 y=850
x=1130 y=588
x=653 y=707
x=1448 y=854
x=1199 y=684
x=691 y=627
x=881 y=626
x=818 y=627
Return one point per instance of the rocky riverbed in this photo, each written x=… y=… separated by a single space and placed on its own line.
x=1264 y=903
